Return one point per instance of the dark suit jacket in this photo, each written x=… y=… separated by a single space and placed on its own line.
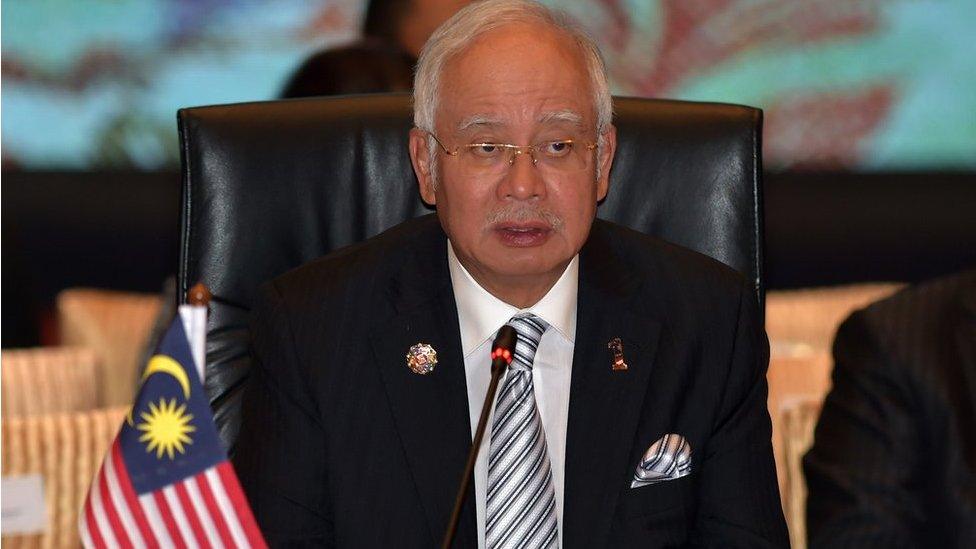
x=343 y=445
x=894 y=459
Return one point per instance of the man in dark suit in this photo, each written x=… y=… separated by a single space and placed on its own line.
x=634 y=412
x=894 y=458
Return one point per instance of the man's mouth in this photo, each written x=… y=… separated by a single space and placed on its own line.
x=523 y=235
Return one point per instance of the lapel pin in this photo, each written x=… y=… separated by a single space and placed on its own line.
x=421 y=359
x=617 y=348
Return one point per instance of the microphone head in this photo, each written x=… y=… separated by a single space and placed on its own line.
x=504 y=345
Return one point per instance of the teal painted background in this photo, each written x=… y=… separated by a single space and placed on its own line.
x=846 y=84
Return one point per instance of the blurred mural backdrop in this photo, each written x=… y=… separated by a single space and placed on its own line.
x=865 y=85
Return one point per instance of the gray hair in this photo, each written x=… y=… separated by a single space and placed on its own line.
x=458 y=32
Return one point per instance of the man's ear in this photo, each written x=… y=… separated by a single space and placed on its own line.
x=421 y=160
x=605 y=162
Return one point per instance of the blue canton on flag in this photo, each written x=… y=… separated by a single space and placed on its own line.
x=171 y=434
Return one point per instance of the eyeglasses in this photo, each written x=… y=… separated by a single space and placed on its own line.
x=486 y=159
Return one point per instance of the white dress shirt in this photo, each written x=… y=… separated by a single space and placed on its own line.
x=480 y=315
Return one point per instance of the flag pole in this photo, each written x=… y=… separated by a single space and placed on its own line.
x=194 y=316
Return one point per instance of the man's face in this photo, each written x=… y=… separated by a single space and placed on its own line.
x=521 y=226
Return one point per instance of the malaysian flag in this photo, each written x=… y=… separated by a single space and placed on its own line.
x=166 y=482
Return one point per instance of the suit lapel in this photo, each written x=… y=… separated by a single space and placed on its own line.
x=604 y=404
x=430 y=411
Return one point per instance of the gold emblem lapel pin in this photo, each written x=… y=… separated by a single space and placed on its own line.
x=617 y=348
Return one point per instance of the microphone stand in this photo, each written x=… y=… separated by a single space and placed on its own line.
x=503 y=349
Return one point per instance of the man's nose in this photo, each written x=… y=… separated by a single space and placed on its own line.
x=523 y=179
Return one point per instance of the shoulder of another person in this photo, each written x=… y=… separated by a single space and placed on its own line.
x=924 y=316
x=935 y=297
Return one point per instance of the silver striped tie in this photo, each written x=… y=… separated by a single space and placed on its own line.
x=521 y=498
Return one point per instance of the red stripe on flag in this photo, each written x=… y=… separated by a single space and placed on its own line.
x=129 y=493
x=233 y=488
x=93 y=530
x=191 y=514
x=167 y=515
x=111 y=512
x=214 y=510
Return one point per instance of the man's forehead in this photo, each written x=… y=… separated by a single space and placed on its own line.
x=516 y=76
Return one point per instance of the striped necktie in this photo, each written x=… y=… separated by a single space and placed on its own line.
x=521 y=498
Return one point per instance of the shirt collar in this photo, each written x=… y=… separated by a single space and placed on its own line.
x=481 y=314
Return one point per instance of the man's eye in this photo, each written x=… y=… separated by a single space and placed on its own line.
x=557 y=148
x=486 y=150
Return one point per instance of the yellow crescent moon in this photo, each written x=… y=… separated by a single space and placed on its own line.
x=166 y=365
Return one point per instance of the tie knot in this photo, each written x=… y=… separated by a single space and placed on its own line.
x=529 y=329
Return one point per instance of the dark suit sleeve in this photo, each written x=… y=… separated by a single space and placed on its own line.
x=859 y=468
x=280 y=456
x=740 y=504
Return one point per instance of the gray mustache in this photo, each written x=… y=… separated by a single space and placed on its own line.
x=522 y=214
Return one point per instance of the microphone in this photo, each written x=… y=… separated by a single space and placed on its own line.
x=502 y=351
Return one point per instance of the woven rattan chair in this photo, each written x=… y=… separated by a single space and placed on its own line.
x=799 y=421
x=66 y=450
x=803 y=321
x=47 y=380
x=793 y=380
x=116 y=325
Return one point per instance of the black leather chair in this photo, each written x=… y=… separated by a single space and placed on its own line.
x=269 y=186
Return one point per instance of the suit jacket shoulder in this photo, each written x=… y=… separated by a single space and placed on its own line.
x=676 y=282
x=670 y=262
x=364 y=268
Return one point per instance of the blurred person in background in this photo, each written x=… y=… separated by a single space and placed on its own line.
x=894 y=458
x=383 y=60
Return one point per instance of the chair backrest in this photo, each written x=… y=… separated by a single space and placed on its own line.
x=116 y=325
x=47 y=380
x=269 y=186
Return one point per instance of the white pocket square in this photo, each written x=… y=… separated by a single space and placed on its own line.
x=667 y=459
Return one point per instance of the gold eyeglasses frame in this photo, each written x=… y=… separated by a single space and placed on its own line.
x=515 y=149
